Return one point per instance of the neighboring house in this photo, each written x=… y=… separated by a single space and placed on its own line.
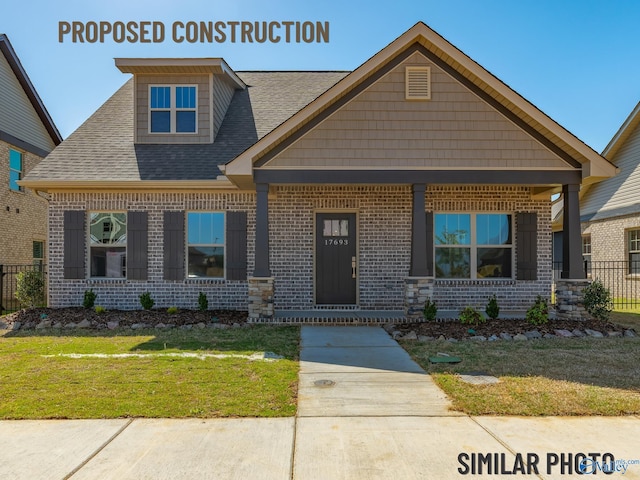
x=610 y=215
x=418 y=174
x=27 y=135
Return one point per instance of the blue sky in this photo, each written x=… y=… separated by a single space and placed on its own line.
x=578 y=61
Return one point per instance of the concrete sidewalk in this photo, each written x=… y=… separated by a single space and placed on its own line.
x=376 y=415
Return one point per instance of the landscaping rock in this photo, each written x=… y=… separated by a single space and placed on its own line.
x=4 y=326
x=113 y=325
x=563 y=333
x=630 y=333
x=220 y=326
x=533 y=334
x=71 y=325
x=614 y=334
x=506 y=336
x=236 y=325
x=161 y=326
x=493 y=338
x=57 y=325
x=593 y=333
x=389 y=327
x=16 y=326
x=520 y=337
x=425 y=338
x=549 y=335
x=442 y=337
x=201 y=325
x=396 y=335
x=578 y=333
x=43 y=324
x=452 y=340
x=410 y=336
x=478 y=338
x=84 y=324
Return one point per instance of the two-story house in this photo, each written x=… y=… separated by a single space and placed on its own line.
x=27 y=135
x=417 y=175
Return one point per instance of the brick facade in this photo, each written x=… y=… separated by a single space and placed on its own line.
x=609 y=237
x=23 y=215
x=384 y=240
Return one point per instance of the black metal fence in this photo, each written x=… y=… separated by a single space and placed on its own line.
x=621 y=277
x=9 y=284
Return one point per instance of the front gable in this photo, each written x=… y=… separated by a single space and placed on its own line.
x=379 y=128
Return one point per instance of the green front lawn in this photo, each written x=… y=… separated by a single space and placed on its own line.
x=36 y=382
x=547 y=377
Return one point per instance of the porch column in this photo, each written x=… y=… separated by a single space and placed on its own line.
x=261 y=268
x=418 y=234
x=261 y=285
x=571 y=238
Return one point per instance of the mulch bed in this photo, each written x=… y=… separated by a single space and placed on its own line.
x=29 y=318
x=455 y=329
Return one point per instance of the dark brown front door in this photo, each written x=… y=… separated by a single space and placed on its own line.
x=336 y=263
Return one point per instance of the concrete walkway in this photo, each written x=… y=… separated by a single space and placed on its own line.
x=373 y=415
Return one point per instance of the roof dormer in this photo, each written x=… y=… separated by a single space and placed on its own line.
x=179 y=100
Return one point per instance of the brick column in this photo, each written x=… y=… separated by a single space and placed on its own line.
x=570 y=299
x=417 y=290
x=260 y=299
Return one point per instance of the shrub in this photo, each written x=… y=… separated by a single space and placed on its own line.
x=99 y=309
x=89 y=298
x=597 y=300
x=146 y=301
x=203 y=303
x=172 y=310
x=538 y=314
x=430 y=310
x=30 y=288
x=471 y=316
x=492 y=310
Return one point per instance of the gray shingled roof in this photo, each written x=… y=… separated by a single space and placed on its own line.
x=102 y=148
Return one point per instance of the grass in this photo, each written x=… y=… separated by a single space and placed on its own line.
x=551 y=377
x=36 y=383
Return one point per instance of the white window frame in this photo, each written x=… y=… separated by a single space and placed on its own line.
x=20 y=172
x=473 y=246
x=173 y=109
x=223 y=245
x=91 y=244
x=632 y=232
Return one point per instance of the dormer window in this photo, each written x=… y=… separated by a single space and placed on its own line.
x=172 y=108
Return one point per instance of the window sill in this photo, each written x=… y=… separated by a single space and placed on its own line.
x=478 y=281
x=205 y=280
x=96 y=280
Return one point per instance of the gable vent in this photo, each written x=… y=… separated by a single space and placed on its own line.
x=418 y=83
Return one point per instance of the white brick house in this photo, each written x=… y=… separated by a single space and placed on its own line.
x=418 y=174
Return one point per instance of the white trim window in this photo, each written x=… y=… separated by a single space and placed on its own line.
x=173 y=109
x=16 y=169
x=586 y=254
x=205 y=245
x=108 y=244
x=633 y=247
x=473 y=245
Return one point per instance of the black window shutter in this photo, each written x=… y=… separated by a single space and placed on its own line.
x=236 y=246
x=527 y=246
x=173 y=245
x=137 y=237
x=74 y=250
x=429 y=243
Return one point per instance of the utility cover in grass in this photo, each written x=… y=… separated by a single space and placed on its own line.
x=478 y=378
x=443 y=358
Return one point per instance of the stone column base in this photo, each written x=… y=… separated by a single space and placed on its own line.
x=570 y=299
x=260 y=299
x=417 y=290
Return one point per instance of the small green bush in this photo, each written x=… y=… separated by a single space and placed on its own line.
x=203 y=303
x=538 y=314
x=30 y=289
x=99 y=309
x=430 y=310
x=492 y=310
x=471 y=316
x=89 y=298
x=597 y=300
x=172 y=310
x=146 y=301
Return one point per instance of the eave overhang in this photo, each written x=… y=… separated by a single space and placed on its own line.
x=593 y=166
x=50 y=186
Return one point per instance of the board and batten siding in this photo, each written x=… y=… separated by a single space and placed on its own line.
x=203 y=109
x=17 y=115
x=222 y=95
x=379 y=128
x=621 y=191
